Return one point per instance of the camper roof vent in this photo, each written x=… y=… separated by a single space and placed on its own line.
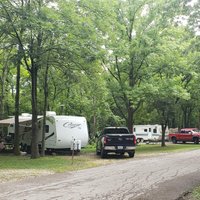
x=50 y=113
x=26 y=115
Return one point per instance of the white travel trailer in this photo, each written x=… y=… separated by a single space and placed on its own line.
x=146 y=133
x=61 y=131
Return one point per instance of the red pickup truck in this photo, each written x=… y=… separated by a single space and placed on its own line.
x=186 y=135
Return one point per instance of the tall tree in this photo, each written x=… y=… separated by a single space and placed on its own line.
x=131 y=39
x=30 y=16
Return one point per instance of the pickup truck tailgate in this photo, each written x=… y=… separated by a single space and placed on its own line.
x=123 y=140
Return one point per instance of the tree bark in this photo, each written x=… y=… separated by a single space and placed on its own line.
x=45 y=109
x=16 y=138
x=34 y=141
x=130 y=118
x=163 y=134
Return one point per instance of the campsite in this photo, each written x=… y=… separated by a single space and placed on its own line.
x=71 y=69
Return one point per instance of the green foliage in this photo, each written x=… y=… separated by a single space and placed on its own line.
x=106 y=59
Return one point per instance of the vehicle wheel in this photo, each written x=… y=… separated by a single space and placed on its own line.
x=97 y=153
x=103 y=153
x=142 y=140
x=131 y=154
x=196 y=140
x=138 y=140
x=174 y=140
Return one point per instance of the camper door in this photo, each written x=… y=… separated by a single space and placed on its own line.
x=50 y=133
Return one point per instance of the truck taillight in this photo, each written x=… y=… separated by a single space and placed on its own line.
x=105 y=139
x=134 y=140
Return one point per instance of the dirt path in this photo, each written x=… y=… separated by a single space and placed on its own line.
x=163 y=177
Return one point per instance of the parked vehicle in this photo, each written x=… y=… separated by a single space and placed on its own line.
x=146 y=133
x=61 y=132
x=185 y=135
x=116 y=140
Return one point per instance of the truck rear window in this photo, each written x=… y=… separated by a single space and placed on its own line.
x=116 y=131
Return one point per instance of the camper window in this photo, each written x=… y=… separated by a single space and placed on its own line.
x=145 y=130
x=154 y=130
x=46 y=128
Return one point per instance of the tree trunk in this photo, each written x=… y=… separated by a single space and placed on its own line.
x=16 y=141
x=45 y=109
x=163 y=135
x=130 y=118
x=34 y=140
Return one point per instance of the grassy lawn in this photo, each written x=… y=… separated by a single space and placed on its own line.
x=196 y=193
x=86 y=159
x=154 y=148
x=52 y=163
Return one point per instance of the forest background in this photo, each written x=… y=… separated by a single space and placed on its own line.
x=119 y=62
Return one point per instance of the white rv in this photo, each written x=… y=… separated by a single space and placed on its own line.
x=61 y=131
x=148 y=132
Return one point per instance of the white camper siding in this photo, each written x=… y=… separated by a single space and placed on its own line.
x=60 y=131
x=147 y=132
x=69 y=128
x=50 y=133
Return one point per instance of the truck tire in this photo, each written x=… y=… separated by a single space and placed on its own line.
x=131 y=154
x=174 y=141
x=196 y=140
x=97 y=152
x=103 y=154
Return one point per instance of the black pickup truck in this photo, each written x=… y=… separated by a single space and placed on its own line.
x=115 y=140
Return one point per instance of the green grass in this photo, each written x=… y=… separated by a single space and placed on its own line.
x=86 y=159
x=196 y=193
x=90 y=148
x=53 y=163
x=152 y=148
x=156 y=148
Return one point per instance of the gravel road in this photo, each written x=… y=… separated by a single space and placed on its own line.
x=165 y=177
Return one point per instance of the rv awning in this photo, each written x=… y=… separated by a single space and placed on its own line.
x=12 y=120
